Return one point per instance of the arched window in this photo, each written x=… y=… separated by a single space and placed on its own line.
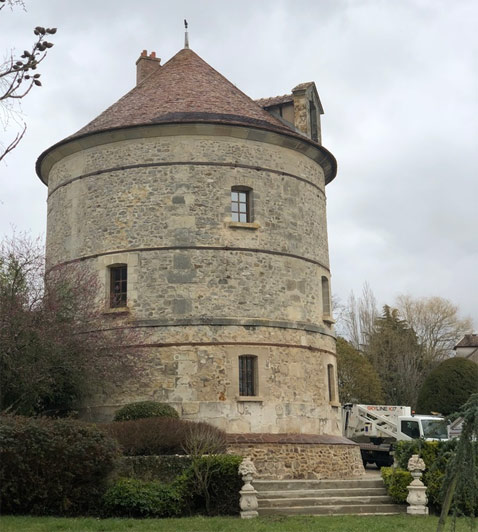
x=325 y=296
x=118 y=285
x=241 y=204
x=248 y=375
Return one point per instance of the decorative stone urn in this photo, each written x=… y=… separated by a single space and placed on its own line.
x=248 y=501
x=417 y=498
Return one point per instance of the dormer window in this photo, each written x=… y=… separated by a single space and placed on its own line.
x=241 y=204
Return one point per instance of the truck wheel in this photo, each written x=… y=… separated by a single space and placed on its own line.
x=384 y=462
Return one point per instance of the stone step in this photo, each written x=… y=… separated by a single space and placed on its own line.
x=339 y=509
x=279 y=485
x=345 y=492
x=323 y=501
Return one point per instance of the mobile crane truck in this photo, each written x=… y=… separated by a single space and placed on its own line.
x=377 y=427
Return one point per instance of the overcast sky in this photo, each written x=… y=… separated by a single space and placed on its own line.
x=398 y=82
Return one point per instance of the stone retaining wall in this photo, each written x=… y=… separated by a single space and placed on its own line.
x=298 y=456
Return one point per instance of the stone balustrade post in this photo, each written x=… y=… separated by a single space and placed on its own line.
x=417 y=498
x=248 y=501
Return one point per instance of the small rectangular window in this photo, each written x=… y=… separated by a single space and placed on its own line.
x=118 y=286
x=331 y=382
x=241 y=205
x=247 y=375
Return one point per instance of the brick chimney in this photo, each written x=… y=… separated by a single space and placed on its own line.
x=146 y=65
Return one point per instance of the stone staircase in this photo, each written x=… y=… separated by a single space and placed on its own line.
x=325 y=497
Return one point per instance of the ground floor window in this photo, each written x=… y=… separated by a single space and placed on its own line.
x=247 y=375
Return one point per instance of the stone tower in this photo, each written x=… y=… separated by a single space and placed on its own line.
x=203 y=214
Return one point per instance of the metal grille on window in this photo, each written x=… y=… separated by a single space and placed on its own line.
x=118 y=286
x=247 y=375
x=240 y=211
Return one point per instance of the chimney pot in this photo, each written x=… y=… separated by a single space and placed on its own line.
x=146 y=65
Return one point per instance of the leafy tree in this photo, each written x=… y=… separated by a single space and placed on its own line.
x=358 y=380
x=54 y=351
x=448 y=386
x=18 y=76
x=396 y=355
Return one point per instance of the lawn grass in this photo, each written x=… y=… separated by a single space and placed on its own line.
x=232 y=524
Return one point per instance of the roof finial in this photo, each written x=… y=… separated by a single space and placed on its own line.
x=186 y=36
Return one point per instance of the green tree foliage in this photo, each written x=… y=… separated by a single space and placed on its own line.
x=51 y=354
x=395 y=353
x=357 y=378
x=460 y=485
x=448 y=386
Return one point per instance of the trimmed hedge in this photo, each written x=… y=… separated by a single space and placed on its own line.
x=396 y=481
x=53 y=467
x=183 y=496
x=145 y=409
x=165 y=467
x=156 y=435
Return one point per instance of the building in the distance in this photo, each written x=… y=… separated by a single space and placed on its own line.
x=204 y=215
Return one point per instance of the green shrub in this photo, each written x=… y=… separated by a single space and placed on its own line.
x=223 y=486
x=53 y=466
x=396 y=481
x=448 y=386
x=145 y=409
x=156 y=435
x=428 y=451
x=138 y=498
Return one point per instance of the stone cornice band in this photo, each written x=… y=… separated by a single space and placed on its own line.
x=221 y=322
x=187 y=248
x=185 y=163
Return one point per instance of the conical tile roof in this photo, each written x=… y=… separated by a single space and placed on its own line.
x=185 y=89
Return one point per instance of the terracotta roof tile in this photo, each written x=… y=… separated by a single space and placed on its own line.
x=469 y=340
x=184 y=89
x=275 y=100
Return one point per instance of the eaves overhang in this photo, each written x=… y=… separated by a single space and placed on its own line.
x=256 y=133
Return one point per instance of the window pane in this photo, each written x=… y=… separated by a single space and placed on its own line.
x=234 y=196
x=243 y=217
x=242 y=196
x=234 y=207
x=242 y=207
x=235 y=217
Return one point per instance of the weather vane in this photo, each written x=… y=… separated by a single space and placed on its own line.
x=186 y=37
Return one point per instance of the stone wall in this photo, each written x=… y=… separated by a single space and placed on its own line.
x=202 y=289
x=299 y=456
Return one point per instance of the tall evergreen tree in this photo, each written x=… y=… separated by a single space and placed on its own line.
x=396 y=355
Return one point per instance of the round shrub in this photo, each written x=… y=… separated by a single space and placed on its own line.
x=448 y=386
x=138 y=498
x=55 y=467
x=145 y=409
x=396 y=481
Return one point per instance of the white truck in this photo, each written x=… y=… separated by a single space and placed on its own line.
x=377 y=427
